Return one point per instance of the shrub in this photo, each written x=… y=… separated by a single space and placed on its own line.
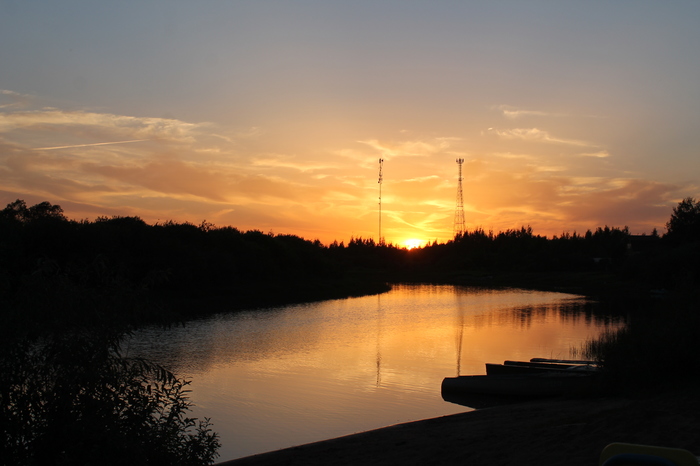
x=658 y=348
x=74 y=399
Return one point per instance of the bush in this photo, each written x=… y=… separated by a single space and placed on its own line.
x=74 y=399
x=657 y=349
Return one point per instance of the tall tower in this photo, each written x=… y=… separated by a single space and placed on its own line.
x=459 y=226
x=381 y=165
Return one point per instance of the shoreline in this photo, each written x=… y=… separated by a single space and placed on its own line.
x=562 y=431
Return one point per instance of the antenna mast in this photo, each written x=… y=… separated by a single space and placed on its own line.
x=459 y=226
x=381 y=165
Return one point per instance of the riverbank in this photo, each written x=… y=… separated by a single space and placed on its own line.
x=190 y=304
x=532 y=433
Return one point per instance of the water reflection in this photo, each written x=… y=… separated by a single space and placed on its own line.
x=379 y=340
x=280 y=377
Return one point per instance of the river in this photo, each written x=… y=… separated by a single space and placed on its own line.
x=275 y=378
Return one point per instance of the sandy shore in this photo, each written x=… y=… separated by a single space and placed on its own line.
x=561 y=432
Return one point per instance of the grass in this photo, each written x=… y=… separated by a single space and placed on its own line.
x=659 y=348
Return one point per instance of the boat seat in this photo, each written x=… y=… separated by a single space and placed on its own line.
x=628 y=454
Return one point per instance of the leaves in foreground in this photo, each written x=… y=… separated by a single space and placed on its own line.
x=73 y=399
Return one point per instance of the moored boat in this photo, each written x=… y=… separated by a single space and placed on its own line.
x=532 y=385
x=538 y=377
x=529 y=367
x=565 y=361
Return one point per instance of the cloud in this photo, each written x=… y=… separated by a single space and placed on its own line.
x=88 y=155
x=599 y=154
x=162 y=169
x=15 y=99
x=536 y=135
x=165 y=175
x=89 y=145
x=248 y=133
x=99 y=125
x=516 y=156
x=38 y=174
x=500 y=200
x=277 y=161
x=513 y=113
x=619 y=202
x=414 y=148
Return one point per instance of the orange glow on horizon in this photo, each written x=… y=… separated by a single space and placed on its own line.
x=413 y=243
x=292 y=149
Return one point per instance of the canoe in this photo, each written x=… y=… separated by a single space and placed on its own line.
x=554 y=365
x=524 y=367
x=565 y=361
x=533 y=385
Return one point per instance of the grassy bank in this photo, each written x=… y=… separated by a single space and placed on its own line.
x=658 y=349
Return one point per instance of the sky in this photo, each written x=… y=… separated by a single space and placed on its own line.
x=273 y=115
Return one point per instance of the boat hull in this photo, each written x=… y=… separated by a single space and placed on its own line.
x=536 y=385
x=519 y=367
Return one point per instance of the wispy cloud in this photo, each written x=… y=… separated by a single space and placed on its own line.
x=179 y=167
x=512 y=156
x=277 y=161
x=15 y=99
x=90 y=145
x=158 y=168
x=55 y=120
x=599 y=154
x=537 y=135
x=414 y=148
x=247 y=133
x=513 y=112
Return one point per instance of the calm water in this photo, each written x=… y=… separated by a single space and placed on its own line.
x=271 y=379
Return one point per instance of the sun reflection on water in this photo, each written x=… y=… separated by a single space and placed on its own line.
x=275 y=378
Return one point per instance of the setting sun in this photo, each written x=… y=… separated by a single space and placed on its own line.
x=412 y=243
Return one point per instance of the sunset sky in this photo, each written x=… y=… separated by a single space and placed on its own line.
x=272 y=115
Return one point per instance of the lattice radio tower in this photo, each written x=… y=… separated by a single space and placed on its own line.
x=381 y=165
x=459 y=226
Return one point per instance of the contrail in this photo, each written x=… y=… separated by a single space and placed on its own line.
x=88 y=145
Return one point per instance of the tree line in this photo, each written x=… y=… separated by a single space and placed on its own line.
x=255 y=268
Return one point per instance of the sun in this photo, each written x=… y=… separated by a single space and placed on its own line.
x=413 y=243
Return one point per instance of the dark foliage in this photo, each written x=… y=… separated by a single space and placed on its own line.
x=252 y=268
x=684 y=225
x=255 y=268
x=72 y=399
x=67 y=394
x=657 y=349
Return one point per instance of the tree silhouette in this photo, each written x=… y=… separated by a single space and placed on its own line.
x=684 y=225
x=19 y=211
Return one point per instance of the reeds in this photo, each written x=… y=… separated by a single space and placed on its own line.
x=658 y=348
